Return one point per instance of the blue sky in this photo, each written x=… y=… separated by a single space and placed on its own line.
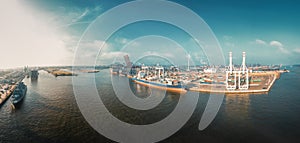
x=268 y=30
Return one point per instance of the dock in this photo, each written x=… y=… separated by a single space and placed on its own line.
x=7 y=94
x=268 y=79
x=9 y=83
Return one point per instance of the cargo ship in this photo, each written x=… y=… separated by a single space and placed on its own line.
x=171 y=85
x=34 y=74
x=19 y=93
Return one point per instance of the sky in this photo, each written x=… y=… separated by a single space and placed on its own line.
x=45 y=33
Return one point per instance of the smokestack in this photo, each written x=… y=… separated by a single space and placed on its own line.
x=230 y=62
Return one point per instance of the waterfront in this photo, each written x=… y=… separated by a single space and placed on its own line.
x=49 y=113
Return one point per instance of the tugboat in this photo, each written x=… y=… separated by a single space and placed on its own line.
x=19 y=93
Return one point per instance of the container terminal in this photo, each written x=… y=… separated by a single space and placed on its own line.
x=211 y=79
x=215 y=79
x=8 y=82
x=11 y=83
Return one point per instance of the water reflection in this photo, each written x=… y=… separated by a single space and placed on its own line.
x=236 y=108
x=49 y=113
x=34 y=83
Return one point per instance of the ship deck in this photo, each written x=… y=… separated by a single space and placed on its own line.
x=170 y=89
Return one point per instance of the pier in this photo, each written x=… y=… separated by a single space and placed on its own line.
x=216 y=79
x=8 y=83
x=239 y=80
x=6 y=95
x=264 y=86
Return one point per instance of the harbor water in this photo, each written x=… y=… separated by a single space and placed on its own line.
x=49 y=113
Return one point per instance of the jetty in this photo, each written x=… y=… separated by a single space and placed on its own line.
x=263 y=85
x=210 y=79
x=238 y=80
x=5 y=94
x=8 y=84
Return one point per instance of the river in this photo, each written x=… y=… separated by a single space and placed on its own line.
x=49 y=113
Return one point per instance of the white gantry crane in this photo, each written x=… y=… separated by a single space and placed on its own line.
x=242 y=74
x=230 y=75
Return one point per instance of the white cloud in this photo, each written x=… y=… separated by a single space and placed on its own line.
x=151 y=46
x=90 y=49
x=36 y=38
x=67 y=16
x=276 y=44
x=260 y=42
x=122 y=40
x=297 y=50
x=283 y=50
x=272 y=43
x=279 y=46
x=28 y=39
x=110 y=56
x=78 y=14
x=75 y=19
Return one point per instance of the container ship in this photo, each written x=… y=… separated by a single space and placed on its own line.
x=19 y=93
x=34 y=74
x=171 y=85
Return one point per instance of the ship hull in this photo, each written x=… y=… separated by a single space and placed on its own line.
x=15 y=102
x=19 y=96
x=170 y=88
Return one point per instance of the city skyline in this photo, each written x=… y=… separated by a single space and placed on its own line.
x=43 y=33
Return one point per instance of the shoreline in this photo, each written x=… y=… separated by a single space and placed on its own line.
x=211 y=88
x=9 y=93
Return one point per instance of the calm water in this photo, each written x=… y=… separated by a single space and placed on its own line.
x=49 y=113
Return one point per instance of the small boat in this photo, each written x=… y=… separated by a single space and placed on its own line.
x=19 y=93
